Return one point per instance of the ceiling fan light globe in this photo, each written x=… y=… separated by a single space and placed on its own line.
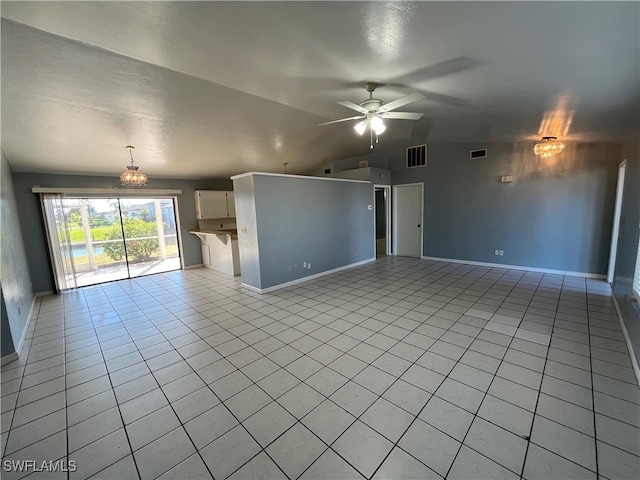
x=378 y=125
x=360 y=127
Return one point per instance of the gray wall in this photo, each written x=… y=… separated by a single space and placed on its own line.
x=556 y=214
x=32 y=226
x=628 y=244
x=305 y=219
x=15 y=277
x=378 y=158
x=6 y=340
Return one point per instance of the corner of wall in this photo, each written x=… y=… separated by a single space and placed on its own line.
x=17 y=290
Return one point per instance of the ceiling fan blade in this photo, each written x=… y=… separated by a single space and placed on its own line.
x=414 y=97
x=446 y=99
x=342 y=120
x=448 y=67
x=353 y=106
x=402 y=115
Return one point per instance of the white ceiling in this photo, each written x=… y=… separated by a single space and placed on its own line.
x=212 y=89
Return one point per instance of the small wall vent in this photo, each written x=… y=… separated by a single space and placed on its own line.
x=363 y=163
x=482 y=153
x=417 y=156
x=327 y=171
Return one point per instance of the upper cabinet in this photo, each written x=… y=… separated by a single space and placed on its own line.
x=214 y=204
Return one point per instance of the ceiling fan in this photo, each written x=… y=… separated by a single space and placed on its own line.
x=373 y=111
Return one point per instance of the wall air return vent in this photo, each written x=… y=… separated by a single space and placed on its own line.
x=417 y=156
x=482 y=153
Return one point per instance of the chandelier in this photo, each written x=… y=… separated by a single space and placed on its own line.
x=375 y=125
x=548 y=147
x=132 y=177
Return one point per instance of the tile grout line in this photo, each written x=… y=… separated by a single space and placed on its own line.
x=535 y=409
x=237 y=300
x=593 y=398
x=221 y=402
x=485 y=393
x=379 y=396
x=117 y=403
x=22 y=376
x=416 y=417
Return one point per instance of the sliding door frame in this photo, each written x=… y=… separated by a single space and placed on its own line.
x=106 y=193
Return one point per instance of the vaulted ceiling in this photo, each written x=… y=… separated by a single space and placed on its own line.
x=212 y=89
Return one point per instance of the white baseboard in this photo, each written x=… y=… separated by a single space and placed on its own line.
x=519 y=267
x=15 y=355
x=634 y=360
x=28 y=322
x=252 y=288
x=8 y=358
x=307 y=278
x=192 y=267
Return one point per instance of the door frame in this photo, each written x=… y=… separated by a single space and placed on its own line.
x=395 y=215
x=387 y=201
x=615 y=231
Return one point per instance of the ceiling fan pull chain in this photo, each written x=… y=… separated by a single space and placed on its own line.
x=371 y=136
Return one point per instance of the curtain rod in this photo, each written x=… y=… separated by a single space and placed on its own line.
x=124 y=192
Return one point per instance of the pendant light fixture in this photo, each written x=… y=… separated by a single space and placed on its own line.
x=132 y=177
x=548 y=147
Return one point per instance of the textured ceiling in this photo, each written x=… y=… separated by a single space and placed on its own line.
x=212 y=89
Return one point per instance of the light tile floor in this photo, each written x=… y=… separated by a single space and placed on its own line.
x=401 y=368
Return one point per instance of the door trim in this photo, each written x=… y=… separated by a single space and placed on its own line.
x=615 y=231
x=387 y=194
x=395 y=215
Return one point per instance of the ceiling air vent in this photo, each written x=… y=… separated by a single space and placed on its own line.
x=417 y=156
x=482 y=153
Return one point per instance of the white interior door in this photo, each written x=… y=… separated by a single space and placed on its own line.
x=616 y=222
x=407 y=219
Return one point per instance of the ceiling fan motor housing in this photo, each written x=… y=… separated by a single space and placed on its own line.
x=372 y=104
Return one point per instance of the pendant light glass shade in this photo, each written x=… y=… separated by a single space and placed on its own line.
x=373 y=122
x=361 y=127
x=378 y=125
x=548 y=147
x=132 y=177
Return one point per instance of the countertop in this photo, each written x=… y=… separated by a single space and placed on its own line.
x=233 y=232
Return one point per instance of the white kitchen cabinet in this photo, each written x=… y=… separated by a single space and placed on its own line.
x=214 y=204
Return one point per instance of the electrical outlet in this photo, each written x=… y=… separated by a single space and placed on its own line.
x=500 y=252
x=496 y=252
x=304 y=264
x=309 y=265
x=290 y=268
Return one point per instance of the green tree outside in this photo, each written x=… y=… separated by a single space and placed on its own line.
x=138 y=250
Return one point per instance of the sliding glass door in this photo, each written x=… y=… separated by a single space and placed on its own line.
x=95 y=240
